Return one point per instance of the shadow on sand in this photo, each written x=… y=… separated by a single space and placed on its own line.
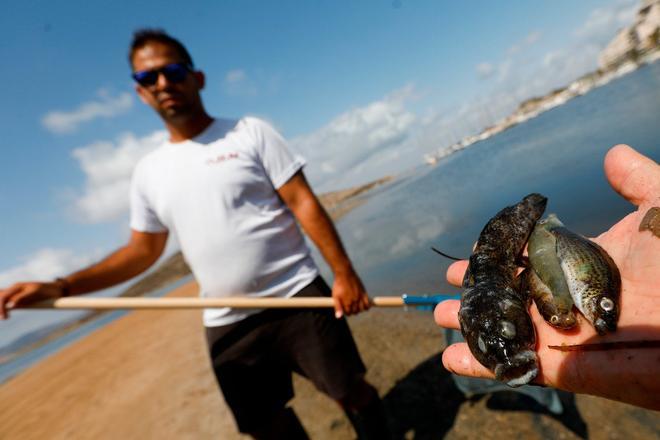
x=426 y=403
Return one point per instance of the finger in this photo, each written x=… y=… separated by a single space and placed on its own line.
x=446 y=314
x=23 y=298
x=358 y=303
x=6 y=300
x=363 y=303
x=339 y=310
x=351 y=306
x=11 y=290
x=457 y=359
x=456 y=271
x=633 y=175
x=3 y=307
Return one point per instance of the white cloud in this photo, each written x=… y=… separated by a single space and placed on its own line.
x=524 y=72
x=108 y=167
x=46 y=264
x=562 y=65
x=503 y=69
x=525 y=43
x=603 y=22
x=532 y=37
x=351 y=148
x=385 y=137
x=485 y=70
x=238 y=83
x=105 y=107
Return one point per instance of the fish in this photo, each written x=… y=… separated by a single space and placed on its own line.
x=544 y=280
x=493 y=315
x=593 y=278
x=651 y=221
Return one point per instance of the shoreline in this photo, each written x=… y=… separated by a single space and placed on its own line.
x=535 y=106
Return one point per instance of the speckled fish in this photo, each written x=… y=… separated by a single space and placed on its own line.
x=592 y=277
x=493 y=316
x=544 y=280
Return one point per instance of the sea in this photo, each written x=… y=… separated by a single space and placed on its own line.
x=558 y=154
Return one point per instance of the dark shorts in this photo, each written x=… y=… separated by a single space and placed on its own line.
x=253 y=359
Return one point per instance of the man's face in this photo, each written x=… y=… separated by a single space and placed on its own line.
x=173 y=101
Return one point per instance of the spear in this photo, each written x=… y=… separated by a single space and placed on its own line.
x=424 y=302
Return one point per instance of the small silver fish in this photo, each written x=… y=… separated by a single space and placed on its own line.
x=493 y=316
x=544 y=280
x=592 y=277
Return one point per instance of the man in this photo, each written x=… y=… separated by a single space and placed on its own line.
x=231 y=191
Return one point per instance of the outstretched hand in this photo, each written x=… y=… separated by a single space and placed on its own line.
x=22 y=294
x=630 y=375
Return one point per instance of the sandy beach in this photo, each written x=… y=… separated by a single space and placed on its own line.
x=146 y=375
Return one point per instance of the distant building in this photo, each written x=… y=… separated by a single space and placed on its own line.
x=648 y=26
x=641 y=37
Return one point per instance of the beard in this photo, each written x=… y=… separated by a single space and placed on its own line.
x=181 y=110
x=177 y=114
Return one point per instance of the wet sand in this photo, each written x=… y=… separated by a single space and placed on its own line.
x=146 y=375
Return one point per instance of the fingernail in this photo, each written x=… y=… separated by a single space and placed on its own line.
x=338 y=314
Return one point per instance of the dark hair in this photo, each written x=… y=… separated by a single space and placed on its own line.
x=143 y=36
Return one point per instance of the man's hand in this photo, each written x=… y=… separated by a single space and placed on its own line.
x=22 y=294
x=629 y=375
x=142 y=250
x=349 y=294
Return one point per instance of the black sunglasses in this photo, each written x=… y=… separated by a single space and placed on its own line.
x=174 y=73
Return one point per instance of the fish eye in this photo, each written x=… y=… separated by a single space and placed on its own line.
x=507 y=329
x=606 y=304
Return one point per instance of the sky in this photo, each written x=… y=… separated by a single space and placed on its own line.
x=361 y=89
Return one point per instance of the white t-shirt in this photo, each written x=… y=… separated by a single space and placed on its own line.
x=216 y=192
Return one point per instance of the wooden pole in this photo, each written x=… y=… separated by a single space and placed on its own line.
x=200 y=303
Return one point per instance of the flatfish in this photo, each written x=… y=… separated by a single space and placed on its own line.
x=494 y=315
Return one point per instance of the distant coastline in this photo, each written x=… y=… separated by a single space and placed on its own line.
x=535 y=106
x=633 y=47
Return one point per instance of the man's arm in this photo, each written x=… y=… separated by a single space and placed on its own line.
x=347 y=291
x=142 y=250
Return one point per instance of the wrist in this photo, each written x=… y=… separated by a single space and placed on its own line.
x=64 y=285
x=343 y=270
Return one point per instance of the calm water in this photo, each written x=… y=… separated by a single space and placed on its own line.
x=559 y=154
